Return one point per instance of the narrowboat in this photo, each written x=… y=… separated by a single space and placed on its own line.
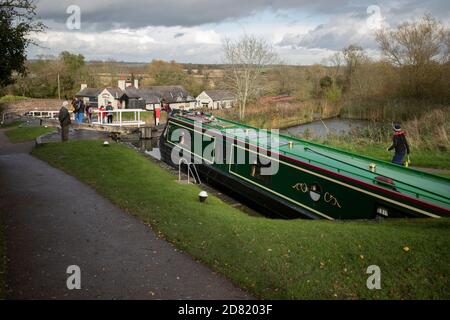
x=307 y=180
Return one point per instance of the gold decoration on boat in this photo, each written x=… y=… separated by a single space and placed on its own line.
x=329 y=198
x=303 y=187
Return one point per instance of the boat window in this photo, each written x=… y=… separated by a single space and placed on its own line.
x=256 y=172
x=315 y=192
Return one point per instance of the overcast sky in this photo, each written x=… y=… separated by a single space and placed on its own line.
x=303 y=32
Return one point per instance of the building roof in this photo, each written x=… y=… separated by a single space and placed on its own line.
x=152 y=95
x=133 y=93
x=220 y=95
x=116 y=92
x=88 y=93
x=155 y=94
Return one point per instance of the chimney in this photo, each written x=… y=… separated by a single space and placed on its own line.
x=136 y=83
x=121 y=84
x=84 y=86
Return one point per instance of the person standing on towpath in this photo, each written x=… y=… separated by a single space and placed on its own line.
x=399 y=144
x=64 y=120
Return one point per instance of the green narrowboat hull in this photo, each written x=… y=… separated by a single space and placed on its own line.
x=311 y=181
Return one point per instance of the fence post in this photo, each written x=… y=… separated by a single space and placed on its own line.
x=139 y=118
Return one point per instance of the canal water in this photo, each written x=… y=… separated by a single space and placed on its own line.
x=320 y=129
x=149 y=147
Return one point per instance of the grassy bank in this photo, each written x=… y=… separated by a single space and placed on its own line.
x=382 y=109
x=426 y=158
x=26 y=133
x=269 y=258
x=269 y=115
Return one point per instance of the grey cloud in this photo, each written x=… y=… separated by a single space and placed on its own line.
x=141 y=13
x=344 y=29
x=334 y=35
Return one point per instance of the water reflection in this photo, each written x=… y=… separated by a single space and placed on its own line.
x=150 y=147
x=320 y=129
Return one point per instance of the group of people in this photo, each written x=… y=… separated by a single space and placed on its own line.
x=106 y=113
x=80 y=109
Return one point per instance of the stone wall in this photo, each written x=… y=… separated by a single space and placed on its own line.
x=22 y=107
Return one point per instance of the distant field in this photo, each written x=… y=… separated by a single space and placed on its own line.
x=272 y=259
x=9 y=98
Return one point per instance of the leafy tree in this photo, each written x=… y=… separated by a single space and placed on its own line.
x=73 y=62
x=333 y=94
x=167 y=73
x=326 y=82
x=16 y=24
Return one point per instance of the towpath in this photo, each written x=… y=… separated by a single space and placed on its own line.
x=52 y=221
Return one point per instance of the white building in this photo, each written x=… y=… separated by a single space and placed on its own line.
x=216 y=99
x=111 y=94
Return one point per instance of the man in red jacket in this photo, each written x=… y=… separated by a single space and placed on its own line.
x=157 y=114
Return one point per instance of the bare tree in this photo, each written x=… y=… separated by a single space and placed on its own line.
x=246 y=58
x=354 y=56
x=336 y=61
x=419 y=49
x=415 y=43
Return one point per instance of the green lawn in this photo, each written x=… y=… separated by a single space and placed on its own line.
x=272 y=259
x=419 y=158
x=18 y=135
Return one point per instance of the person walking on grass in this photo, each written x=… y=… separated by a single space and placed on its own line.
x=64 y=121
x=109 y=109
x=399 y=144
